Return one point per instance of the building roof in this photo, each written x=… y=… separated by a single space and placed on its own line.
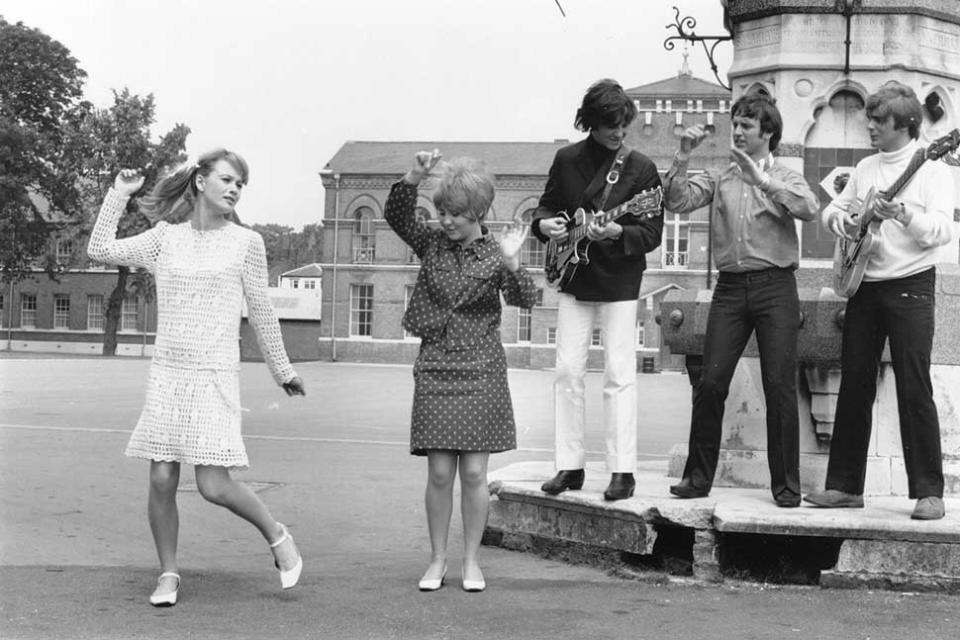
x=683 y=85
x=504 y=158
x=292 y=304
x=306 y=271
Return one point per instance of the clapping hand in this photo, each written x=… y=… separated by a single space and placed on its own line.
x=423 y=162
x=751 y=173
x=128 y=181
x=511 y=241
x=295 y=387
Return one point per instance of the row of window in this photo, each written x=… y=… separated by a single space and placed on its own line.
x=361 y=317
x=61 y=312
x=533 y=252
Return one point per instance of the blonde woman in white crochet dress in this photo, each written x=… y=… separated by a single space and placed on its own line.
x=204 y=269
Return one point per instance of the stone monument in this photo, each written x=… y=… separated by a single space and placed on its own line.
x=820 y=59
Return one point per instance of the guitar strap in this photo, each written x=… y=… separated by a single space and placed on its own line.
x=613 y=175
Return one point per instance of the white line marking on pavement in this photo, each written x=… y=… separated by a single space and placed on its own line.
x=29 y=427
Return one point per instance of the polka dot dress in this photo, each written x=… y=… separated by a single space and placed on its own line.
x=461 y=398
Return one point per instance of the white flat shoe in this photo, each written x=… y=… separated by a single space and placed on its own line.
x=291 y=576
x=473 y=586
x=165 y=598
x=432 y=584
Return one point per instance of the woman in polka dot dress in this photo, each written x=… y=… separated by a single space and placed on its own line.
x=461 y=403
x=204 y=269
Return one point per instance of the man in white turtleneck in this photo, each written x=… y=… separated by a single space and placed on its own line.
x=895 y=301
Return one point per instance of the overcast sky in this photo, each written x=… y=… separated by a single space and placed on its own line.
x=286 y=82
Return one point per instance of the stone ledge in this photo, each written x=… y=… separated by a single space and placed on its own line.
x=880 y=546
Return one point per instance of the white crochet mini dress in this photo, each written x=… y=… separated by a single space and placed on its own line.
x=192 y=408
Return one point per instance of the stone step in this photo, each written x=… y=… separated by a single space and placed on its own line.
x=879 y=545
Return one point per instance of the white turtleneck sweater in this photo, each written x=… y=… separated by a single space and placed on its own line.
x=931 y=236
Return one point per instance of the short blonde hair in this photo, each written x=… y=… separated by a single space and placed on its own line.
x=466 y=188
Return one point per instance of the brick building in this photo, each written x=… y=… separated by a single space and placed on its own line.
x=366 y=273
x=369 y=274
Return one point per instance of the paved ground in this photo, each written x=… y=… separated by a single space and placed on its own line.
x=76 y=559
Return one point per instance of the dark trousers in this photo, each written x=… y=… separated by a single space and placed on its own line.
x=903 y=311
x=766 y=302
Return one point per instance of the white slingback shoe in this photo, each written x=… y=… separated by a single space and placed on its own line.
x=165 y=598
x=291 y=576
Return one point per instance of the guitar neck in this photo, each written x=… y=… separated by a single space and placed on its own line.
x=915 y=162
x=601 y=218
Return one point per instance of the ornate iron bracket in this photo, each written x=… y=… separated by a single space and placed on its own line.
x=689 y=22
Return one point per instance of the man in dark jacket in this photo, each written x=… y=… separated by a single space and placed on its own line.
x=598 y=174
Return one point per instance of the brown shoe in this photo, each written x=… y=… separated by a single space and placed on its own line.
x=929 y=508
x=834 y=499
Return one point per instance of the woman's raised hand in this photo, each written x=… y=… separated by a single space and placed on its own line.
x=128 y=181
x=423 y=162
x=511 y=241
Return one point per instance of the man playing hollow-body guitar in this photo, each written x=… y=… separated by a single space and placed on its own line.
x=604 y=289
x=894 y=302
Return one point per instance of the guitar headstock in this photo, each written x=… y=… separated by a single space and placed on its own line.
x=646 y=203
x=945 y=146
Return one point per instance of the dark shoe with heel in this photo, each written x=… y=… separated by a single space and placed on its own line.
x=621 y=486
x=685 y=489
x=787 y=499
x=563 y=481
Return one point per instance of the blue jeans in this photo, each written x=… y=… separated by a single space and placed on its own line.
x=903 y=311
x=766 y=302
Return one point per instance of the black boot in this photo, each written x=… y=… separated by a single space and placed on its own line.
x=562 y=481
x=621 y=486
x=685 y=489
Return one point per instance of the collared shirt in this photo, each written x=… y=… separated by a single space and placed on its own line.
x=456 y=301
x=753 y=228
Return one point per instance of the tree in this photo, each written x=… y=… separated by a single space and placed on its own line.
x=288 y=249
x=98 y=146
x=40 y=89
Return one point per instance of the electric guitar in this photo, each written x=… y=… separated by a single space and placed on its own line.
x=851 y=256
x=563 y=257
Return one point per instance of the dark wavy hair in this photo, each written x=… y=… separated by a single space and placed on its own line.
x=173 y=197
x=605 y=104
x=760 y=106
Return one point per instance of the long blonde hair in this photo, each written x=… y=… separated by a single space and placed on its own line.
x=173 y=197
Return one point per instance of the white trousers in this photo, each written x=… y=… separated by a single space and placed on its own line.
x=575 y=322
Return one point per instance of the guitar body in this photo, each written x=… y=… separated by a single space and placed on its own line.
x=564 y=257
x=851 y=259
x=851 y=256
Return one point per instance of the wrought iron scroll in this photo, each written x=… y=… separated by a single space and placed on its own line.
x=688 y=22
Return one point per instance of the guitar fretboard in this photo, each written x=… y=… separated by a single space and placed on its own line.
x=601 y=219
x=918 y=159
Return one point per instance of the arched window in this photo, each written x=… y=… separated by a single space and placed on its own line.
x=533 y=253
x=364 y=235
